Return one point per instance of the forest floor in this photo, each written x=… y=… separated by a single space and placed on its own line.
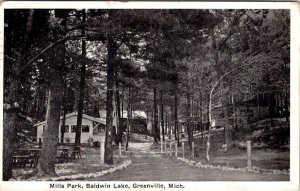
x=148 y=165
x=89 y=163
x=270 y=147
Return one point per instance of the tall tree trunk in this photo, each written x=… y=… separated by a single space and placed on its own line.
x=112 y=52
x=201 y=120
x=176 y=120
x=162 y=115
x=156 y=133
x=46 y=164
x=64 y=101
x=226 y=127
x=271 y=109
x=286 y=105
x=122 y=106
x=118 y=108
x=258 y=106
x=170 y=124
x=209 y=110
x=192 y=114
x=166 y=124
x=11 y=107
x=174 y=123
x=235 y=120
x=188 y=117
x=81 y=85
x=128 y=118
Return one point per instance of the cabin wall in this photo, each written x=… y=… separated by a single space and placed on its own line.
x=69 y=137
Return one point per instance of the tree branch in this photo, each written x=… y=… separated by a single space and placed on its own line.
x=42 y=52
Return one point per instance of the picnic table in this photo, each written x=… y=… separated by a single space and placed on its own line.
x=30 y=156
x=22 y=160
x=62 y=154
x=31 y=151
x=22 y=157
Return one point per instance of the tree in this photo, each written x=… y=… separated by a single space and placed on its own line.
x=46 y=164
x=162 y=116
x=82 y=83
x=11 y=105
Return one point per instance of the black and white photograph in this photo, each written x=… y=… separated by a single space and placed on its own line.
x=151 y=96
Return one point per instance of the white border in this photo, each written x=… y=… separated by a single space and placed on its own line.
x=293 y=184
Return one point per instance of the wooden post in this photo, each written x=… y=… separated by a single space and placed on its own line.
x=193 y=150
x=166 y=147
x=161 y=146
x=249 y=154
x=40 y=142
x=124 y=148
x=176 y=150
x=102 y=146
x=120 y=149
x=182 y=149
x=170 y=148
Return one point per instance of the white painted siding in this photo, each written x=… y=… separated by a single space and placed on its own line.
x=72 y=120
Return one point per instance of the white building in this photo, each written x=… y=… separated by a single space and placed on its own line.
x=92 y=129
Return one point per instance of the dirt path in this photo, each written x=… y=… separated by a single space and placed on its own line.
x=148 y=166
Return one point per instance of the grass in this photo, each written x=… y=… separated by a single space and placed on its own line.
x=270 y=148
x=89 y=163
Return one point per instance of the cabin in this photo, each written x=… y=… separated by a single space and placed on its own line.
x=92 y=129
x=138 y=121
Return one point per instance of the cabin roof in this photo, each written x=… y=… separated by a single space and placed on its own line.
x=94 y=119
x=135 y=114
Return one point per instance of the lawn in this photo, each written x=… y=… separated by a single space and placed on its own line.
x=89 y=163
x=270 y=148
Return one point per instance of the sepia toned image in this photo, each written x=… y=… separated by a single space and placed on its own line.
x=146 y=95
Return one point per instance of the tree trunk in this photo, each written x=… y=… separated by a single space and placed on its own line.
x=209 y=125
x=235 y=120
x=201 y=121
x=46 y=164
x=286 y=105
x=176 y=120
x=156 y=134
x=188 y=117
x=174 y=123
x=112 y=51
x=166 y=125
x=271 y=109
x=10 y=121
x=118 y=108
x=170 y=125
x=82 y=84
x=162 y=116
x=128 y=118
x=62 y=129
x=226 y=127
x=258 y=106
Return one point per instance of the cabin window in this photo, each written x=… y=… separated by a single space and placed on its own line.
x=73 y=128
x=43 y=128
x=85 y=128
x=66 y=129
